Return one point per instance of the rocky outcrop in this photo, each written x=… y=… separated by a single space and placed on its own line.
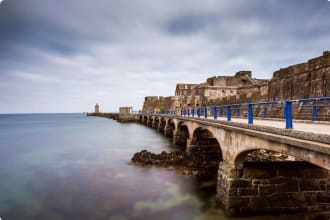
x=187 y=163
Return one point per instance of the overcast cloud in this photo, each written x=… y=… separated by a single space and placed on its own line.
x=66 y=55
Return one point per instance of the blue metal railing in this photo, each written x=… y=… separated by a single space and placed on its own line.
x=249 y=110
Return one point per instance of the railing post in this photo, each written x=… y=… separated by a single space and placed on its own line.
x=215 y=112
x=193 y=112
x=238 y=111
x=181 y=112
x=221 y=112
x=198 y=112
x=288 y=114
x=314 y=113
x=188 y=112
x=228 y=113
x=250 y=113
x=265 y=112
x=205 y=112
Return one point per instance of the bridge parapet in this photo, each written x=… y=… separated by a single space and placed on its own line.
x=310 y=110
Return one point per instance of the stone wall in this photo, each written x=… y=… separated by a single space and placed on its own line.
x=310 y=79
x=273 y=187
x=152 y=103
x=305 y=80
x=184 y=89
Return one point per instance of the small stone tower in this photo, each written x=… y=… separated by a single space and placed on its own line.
x=97 y=108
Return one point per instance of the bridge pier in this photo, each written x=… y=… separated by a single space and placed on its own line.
x=155 y=123
x=273 y=187
x=149 y=122
x=175 y=136
x=169 y=128
x=168 y=131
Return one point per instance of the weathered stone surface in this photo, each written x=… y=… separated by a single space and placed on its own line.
x=258 y=173
x=317 y=172
x=247 y=192
x=310 y=185
x=267 y=189
x=240 y=183
x=311 y=198
x=279 y=200
x=259 y=202
x=323 y=197
x=277 y=194
x=289 y=185
x=291 y=172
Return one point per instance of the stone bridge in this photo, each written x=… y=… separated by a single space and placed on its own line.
x=301 y=183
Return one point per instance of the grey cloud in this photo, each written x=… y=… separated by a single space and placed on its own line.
x=63 y=56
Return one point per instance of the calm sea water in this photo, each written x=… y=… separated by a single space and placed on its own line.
x=69 y=166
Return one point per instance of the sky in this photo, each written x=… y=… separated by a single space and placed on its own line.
x=67 y=55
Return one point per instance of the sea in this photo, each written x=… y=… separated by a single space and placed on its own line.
x=74 y=167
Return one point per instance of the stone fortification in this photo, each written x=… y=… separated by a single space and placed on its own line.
x=305 y=80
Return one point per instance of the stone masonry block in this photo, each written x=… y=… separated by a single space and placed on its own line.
x=267 y=189
x=316 y=173
x=323 y=197
x=290 y=185
x=310 y=185
x=256 y=173
x=240 y=183
x=299 y=173
x=248 y=192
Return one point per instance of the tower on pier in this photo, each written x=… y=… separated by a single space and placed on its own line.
x=97 y=108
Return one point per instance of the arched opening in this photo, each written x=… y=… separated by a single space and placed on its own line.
x=145 y=120
x=161 y=127
x=156 y=123
x=141 y=119
x=182 y=135
x=170 y=128
x=206 y=149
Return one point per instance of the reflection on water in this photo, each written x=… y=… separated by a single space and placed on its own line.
x=68 y=166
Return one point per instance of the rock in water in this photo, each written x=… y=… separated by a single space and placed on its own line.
x=191 y=165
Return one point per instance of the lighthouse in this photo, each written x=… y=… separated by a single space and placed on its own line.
x=97 y=108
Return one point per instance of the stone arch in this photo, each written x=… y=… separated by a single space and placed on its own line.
x=141 y=119
x=150 y=121
x=162 y=124
x=145 y=120
x=203 y=141
x=155 y=122
x=182 y=135
x=292 y=185
x=170 y=127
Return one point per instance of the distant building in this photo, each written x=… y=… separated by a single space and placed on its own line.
x=126 y=114
x=97 y=108
x=125 y=110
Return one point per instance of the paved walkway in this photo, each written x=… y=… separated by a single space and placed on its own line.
x=317 y=128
